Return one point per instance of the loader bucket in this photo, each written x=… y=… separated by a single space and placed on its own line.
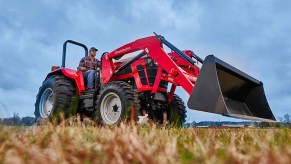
x=223 y=89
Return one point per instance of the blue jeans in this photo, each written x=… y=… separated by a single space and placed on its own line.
x=89 y=75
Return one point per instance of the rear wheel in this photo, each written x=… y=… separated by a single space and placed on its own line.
x=55 y=100
x=115 y=102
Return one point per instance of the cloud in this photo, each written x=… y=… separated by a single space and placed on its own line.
x=165 y=14
x=17 y=101
x=252 y=36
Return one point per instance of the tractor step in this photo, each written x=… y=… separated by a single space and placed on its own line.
x=86 y=96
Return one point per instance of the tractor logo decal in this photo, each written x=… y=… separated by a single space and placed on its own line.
x=122 y=50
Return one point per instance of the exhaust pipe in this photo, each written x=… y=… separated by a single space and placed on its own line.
x=223 y=89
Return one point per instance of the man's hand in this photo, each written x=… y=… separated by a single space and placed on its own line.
x=82 y=68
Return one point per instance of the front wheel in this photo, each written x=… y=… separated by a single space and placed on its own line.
x=115 y=102
x=174 y=114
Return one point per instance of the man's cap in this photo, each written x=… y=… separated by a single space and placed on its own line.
x=93 y=49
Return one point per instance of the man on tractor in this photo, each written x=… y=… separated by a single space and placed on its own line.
x=88 y=65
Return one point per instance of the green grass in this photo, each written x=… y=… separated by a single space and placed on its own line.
x=143 y=144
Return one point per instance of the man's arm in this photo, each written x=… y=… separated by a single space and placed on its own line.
x=82 y=64
x=97 y=64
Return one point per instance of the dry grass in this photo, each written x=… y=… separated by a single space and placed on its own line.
x=142 y=144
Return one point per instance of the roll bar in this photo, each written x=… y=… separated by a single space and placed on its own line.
x=65 y=50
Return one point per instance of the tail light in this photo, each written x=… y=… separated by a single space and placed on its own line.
x=55 y=68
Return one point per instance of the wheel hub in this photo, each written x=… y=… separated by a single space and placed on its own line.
x=111 y=108
x=46 y=103
x=115 y=108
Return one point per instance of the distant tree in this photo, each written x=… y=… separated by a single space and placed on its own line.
x=16 y=119
x=264 y=124
x=281 y=119
x=285 y=119
x=193 y=124
x=27 y=121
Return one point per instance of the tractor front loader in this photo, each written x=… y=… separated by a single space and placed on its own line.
x=140 y=79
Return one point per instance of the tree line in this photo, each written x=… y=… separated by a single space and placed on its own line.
x=284 y=121
x=15 y=120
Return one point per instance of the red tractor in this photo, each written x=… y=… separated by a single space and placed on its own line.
x=140 y=79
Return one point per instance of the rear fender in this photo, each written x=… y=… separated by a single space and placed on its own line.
x=76 y=76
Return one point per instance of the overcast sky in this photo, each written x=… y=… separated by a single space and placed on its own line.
x=253 y=36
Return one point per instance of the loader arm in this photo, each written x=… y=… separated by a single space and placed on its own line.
x=152 y=47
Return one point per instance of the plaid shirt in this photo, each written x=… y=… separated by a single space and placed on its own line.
x=89 y=64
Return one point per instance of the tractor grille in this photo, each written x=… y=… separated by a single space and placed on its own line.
x=126 y=70
x=151 y=69
x=141 y=74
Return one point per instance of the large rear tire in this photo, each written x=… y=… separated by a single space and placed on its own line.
x=56 y=100
x=115 y=102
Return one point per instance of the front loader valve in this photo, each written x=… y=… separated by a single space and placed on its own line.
x=197 y=57
x=175 y=49
x=223 y=89
x=65 y=50
x=130 y=62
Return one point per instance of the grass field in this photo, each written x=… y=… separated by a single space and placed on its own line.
x=143 y=144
